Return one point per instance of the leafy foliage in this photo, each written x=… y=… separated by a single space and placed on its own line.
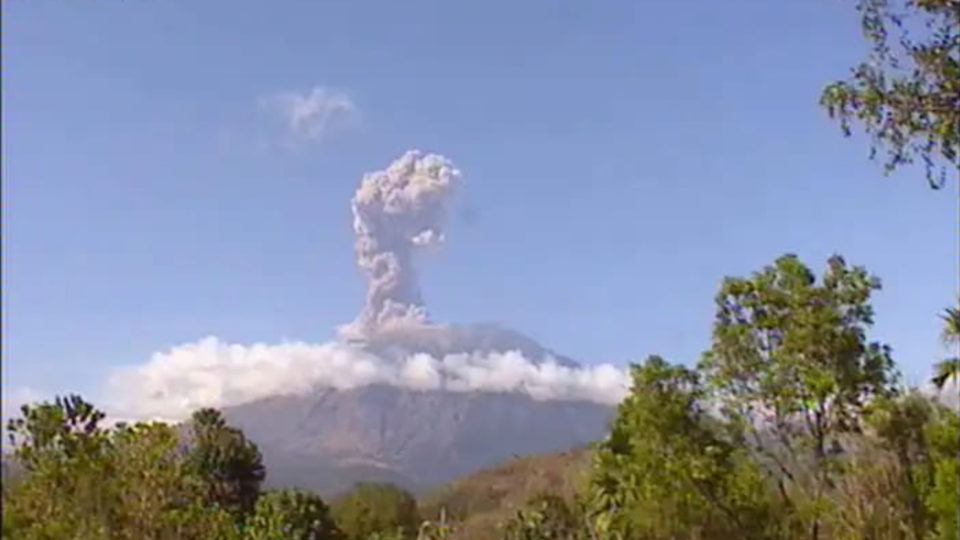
x=792 y=369
x=949 y=368
x=371 y=508
x=480 y=503
x=85 y=482
x=668 y=471
x=291 y=515
x=790 y=361
x=232 y=466
x=546 y=517
x=906 y=95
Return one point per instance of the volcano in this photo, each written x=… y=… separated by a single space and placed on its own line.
x=328 y=439
x=396 y=397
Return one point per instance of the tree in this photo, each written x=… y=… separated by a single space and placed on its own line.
x=231 y=465
x=65 y=455
x=371 y=508
x=67 y=427
x=791 y=367
x=949 y=368
x=291 y=515
x=951 y=326
x=440 y=529
x=906 y=95
x=83 y=481
x=901 y=426
x=899 y=481
x=945 y=370
x=943 y=500
x=545 y=517
x=156 y=495
x=668 y=470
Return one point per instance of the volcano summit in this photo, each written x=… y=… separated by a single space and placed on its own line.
x=396 y=396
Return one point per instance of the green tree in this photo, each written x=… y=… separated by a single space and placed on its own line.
x=944 y=371
x=950 y=334
x=545 y=517
x=231 y=465
x=943 y=499
x=440 y=529
x=792 y=368
x=949 y=368
x=291 y=515
x=156 y=495
x=372 y=508
x=903 y=426
x=906 y=95
x=85 y=482
x=68 y=427
x=668 y=470
x=65 y=455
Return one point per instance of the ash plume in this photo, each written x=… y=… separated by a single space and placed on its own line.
x=396 y=212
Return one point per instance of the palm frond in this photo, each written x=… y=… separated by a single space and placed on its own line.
x=951 y=326
x=944 y=371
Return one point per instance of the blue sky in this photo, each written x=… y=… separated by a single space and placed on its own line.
x=619 y=159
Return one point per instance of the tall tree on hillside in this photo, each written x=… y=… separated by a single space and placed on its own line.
x=906 y=95
x=791 y=366
x=232 y=465
x=667 y=470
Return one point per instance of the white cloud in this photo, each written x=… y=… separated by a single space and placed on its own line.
x=217 y=374
x=312 y=115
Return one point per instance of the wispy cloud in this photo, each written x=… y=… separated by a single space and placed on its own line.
x=313 y=115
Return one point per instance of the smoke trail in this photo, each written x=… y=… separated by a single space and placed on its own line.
x=396 y=212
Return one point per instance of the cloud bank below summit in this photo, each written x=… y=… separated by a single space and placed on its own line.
x=213 y=373
x=398 y=212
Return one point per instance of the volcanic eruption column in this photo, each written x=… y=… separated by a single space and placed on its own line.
x=396 y=212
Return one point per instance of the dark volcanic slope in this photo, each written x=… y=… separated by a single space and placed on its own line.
x=419 y=439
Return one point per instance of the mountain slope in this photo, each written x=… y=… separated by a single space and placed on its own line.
x=479 y=503
x=327 y=440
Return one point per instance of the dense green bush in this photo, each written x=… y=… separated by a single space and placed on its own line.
x=82 y=481
x=372 y=508
x=546 y=517
x=291 y=515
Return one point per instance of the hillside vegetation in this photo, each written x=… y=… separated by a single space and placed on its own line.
x=481 y=503
x=793 y=424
